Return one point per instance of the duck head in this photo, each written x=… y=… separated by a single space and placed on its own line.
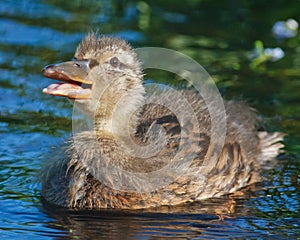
x=105 y=73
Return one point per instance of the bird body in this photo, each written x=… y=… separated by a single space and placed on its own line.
x=104 y=168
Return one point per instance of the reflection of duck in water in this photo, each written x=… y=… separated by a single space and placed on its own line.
x=111 y=76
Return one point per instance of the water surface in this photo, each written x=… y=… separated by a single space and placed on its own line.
x=220 y=36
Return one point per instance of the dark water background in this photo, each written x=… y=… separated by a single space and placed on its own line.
x=219 y=35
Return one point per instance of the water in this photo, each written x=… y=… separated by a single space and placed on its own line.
x=220 y=36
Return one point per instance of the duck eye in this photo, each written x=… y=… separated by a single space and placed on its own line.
x=114 y=61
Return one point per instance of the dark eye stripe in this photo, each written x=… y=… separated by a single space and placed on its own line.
x=123 y=66
x=93 y=63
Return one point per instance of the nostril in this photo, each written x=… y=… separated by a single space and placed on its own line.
x=76 y=65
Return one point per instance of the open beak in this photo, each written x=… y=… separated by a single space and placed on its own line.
x=73 y=75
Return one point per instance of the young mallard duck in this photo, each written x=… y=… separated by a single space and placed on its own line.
x=106 y=81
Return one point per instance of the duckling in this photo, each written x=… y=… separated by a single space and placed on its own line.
x=99 y=168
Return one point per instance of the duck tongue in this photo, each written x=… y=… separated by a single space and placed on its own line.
x=67 y=90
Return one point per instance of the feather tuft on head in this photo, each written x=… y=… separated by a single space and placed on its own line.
x=94 y=45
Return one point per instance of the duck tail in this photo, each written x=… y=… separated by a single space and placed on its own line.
x=270 y=144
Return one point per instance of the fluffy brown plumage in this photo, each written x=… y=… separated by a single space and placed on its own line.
x=114 y=98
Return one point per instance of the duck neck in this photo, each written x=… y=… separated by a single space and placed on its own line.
x=117 y=114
